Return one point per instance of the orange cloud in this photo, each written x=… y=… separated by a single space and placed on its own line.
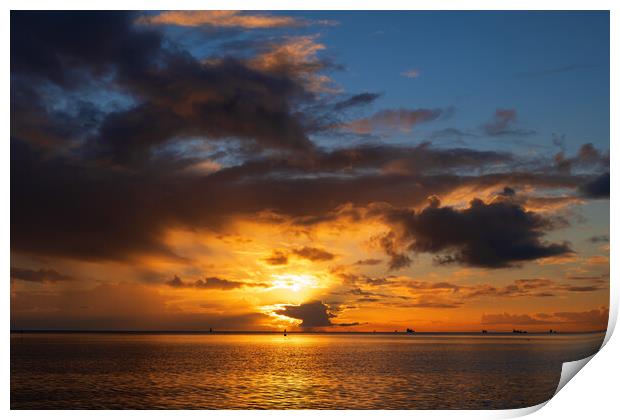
x=220 y=18
x=296 y=56
x=598 y=260
x=393 y=120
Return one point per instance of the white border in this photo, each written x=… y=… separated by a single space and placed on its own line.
x=591 y=395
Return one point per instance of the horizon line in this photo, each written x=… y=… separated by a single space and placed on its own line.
x=479 y=332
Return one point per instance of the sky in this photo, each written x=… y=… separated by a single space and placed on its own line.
x=316 y=171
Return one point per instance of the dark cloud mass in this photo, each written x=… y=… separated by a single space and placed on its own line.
x=43 y=275
x=277 y=258
x=599 y=187
x=356 y=100
x=212 y=283
x=494 y=235
x=103 y=127
x=312 y=314
x=314 y=254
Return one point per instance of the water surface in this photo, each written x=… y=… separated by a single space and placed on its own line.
x=270 y=371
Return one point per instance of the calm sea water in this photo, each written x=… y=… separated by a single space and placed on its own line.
x=318 y=371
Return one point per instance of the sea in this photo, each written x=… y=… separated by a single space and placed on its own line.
x=108 y=370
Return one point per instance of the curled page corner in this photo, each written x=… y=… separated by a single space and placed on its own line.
x=570 y=369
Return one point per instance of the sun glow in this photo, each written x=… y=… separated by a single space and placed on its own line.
x=295 y=282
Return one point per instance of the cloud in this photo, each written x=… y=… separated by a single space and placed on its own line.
x=598 y=239
x=423 y=285
x=398 y=259
x=597 y=187
x=44 y=45
x=280 y=257
x=393 y=120
x=594 y=316
x=495 y=235
x=106 y=140
x=277 y=258
x=360 y=99
x=369 y=261
x=213 y=283
x=430 y=303
x=411 y=74
x=542 y=288
x=97 y=212
x=510 y=319
x=295 y=57
x=314 y=254
x=595 y=319
x=357 y=279
x=182 y=97
x=598 y=260
x=502 y=125
x=587 y=157
x=123 y=306
x=43 y=275
x=312 y=314
x=220 y=18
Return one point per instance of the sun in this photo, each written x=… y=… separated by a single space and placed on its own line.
x=294 y=282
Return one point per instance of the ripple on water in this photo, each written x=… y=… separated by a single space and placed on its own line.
x=320 y=371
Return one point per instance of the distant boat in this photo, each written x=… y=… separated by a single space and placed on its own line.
x=552 y=332
x=484 y=331
x=410 y=331
x=519 y=332
x=285 y=332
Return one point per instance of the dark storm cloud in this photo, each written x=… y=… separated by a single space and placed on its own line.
x=93 y=184
x=68 y=209
x=212 y=283
x=312 y=314
x=177 y=95
x=46 y=45
x=96 y=212
x=596 y=188
x=502 y=124
x=193 y=99
x=43 y=275
x=496 y=235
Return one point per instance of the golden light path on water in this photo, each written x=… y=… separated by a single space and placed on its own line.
x=337 y=371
